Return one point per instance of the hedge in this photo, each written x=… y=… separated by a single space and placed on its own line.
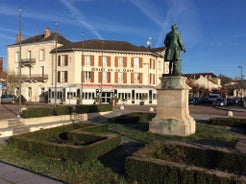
x=65 y=110
x=172 y=162
x=77 y=144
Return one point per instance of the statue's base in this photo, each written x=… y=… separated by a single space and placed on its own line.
x=173 y=117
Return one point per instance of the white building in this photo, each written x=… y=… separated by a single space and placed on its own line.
x=37 y=64
x=104 y=70
x=85 y=72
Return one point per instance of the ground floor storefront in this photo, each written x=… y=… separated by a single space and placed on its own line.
x=106 y=93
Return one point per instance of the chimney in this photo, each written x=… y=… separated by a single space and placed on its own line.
x=46 y=32
x=19 y=38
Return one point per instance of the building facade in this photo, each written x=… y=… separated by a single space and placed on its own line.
x=37 y=64
x=55 y=70
x=105 y=71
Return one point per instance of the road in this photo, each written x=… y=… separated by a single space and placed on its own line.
x=197 y=111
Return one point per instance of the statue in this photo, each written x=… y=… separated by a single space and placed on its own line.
x=174 y=45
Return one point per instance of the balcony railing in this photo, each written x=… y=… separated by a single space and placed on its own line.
x=34 y=78
x=28 y=62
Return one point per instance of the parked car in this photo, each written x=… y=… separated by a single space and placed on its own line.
x=219 y=102
x=7 y=99
x=232 y=101
x=213 y=97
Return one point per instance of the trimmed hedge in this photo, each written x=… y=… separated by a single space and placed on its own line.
x=65 y=110
x=73 y=142
x=132 y=118
x=233 y=122
x=80 y=109
x=172 y=162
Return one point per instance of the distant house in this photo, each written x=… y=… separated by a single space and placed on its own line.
x=3 y=75
x=203 y=83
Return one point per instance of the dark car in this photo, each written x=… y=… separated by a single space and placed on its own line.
x=7 y=99
x=219 y=102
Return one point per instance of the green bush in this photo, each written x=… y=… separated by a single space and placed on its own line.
x=63 y=110
x=172 y=162
x=36 y=112
x=228 y=122
x=72 y=142
x=80 y=109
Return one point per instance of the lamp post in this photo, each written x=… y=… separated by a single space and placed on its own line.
x=83 y=75
x=56 y=25
x=241 y=85
x=102 y=76
x=20 y=39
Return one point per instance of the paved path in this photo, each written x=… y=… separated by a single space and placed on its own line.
x=10 y=174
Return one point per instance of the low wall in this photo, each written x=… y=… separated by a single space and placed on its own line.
x=9 y=127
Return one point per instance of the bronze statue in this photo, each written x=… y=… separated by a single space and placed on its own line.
x=174 y=46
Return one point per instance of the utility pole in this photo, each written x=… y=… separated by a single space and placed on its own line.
x=83 y=62
x=56 y=25
x=20 y=39
x=102 y=75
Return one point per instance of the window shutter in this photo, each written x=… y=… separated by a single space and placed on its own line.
x=132 y=78
x=141 y=62
x=59 y=76
x=150 y=63
x=59 y=61
x=66 y=60
x=100 y=61
x=99 y=76
x=109 y=61
x=132 y=62
x=125 y=61
x=82 y=60
x=116 y=77
x=153 y=78
x=150 y=78
x=66 y=76
x=125 y=77
x=92 y=76
x=82 y=77
x=109 y=77
x=140 y=78
x=116 y=61
x=92 y=60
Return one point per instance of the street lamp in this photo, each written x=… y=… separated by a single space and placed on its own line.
x=56 y=25
x=20 y=39
x=241 y=85
x=83 y=75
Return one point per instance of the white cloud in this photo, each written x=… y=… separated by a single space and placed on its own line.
x=79 y=17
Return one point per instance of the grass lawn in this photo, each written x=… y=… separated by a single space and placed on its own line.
x=110 y=167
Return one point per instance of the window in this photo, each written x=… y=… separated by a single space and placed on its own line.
x=136 y=62
x=105 y=61
x=41 y=55
x=136 y=78
x=17 y=57
x=88 y=60
x=105 y=76
x=87 y=76
x=29 y=54
x=120 y=77
x=62 y=76
x=120 y=61
x=29 y=92
x=42 y=70
x=63 y=60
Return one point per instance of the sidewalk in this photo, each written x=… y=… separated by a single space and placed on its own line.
x=14 y=175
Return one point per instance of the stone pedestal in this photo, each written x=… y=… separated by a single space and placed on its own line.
x=173 y=117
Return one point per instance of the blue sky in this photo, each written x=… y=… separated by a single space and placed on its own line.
x=213 y=31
